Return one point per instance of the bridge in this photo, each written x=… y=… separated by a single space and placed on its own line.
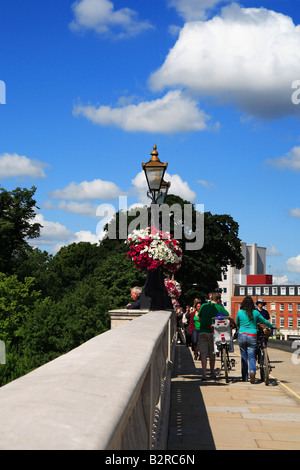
x=134 y=388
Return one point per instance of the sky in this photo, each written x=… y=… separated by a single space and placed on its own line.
x=87 y=88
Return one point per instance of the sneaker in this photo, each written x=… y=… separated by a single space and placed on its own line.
x=252 y=378
x=203 y=378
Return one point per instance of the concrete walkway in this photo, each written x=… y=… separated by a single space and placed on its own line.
x=238 y=415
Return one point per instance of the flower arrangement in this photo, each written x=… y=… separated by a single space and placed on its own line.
x=174 y=291
x=151 y=248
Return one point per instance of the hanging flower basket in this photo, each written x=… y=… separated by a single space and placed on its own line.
x=174 y=291
x=151 y=248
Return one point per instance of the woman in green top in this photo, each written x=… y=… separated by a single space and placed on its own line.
x=247 y=319
x=196 y=330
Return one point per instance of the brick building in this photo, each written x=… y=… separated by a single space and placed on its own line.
x=282 y=302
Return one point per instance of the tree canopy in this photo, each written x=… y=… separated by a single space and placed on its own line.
x=50 y=304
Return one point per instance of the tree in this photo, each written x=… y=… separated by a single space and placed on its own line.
x=17 y=211
x=201 y=268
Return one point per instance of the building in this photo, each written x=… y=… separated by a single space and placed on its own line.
x=254 y=264
x=282 y=303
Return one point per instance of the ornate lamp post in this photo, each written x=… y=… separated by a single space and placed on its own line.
x=154 y=172
x=155 y=295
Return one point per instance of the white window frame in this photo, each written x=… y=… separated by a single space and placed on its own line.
x=290 y=321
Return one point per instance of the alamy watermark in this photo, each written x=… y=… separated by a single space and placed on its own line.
x=2 y=92
x=296 y=354
x=296 y=93
x=160 y=217
x=2 y=353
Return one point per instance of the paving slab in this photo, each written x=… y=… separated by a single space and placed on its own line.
x=215 y=415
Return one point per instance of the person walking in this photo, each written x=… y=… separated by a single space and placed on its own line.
x=207 y=312
x=246 y=320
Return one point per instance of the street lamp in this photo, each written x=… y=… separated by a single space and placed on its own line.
x=154 y=172
x=154 y=295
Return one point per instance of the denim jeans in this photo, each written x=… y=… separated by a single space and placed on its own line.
x=248 y=345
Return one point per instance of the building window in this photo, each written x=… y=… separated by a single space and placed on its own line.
x=273 y=306
x=266 y=291
x=298 y=307
x=224 y=277
x=242 y=290
x=281 y=307
x=281 y=324
x=290 y=322
x=298 y=322
x=292 y=290
x=273 y=320
x=290 y=307
x=283 y=290
x=298 y=288
x=257 y=290
x=225 y=304
x=225 y=290
x=250 y=290
x=274 y=290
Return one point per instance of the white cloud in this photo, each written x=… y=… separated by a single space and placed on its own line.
x=245 y=56
x=96 y=189
x=50 y=232
x=293 y=264
x=272 y=251
x=280 y=280
x=178 y=187
x=102 y=17
x=295 y=212
x=174 y=112
x=72 y=207
x=291 y=160
x=207 y=184
x=14 y=165
x=192 y=10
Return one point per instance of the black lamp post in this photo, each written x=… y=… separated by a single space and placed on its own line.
x=154 y=295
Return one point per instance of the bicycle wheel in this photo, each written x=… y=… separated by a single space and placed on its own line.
x=266 y=367
x=225 y=362
x=261 y=359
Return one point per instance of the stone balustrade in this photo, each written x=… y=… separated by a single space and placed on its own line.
x=112 y=392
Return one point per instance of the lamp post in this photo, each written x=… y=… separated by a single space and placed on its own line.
x=154 y=295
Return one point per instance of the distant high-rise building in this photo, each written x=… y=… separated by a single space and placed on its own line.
x=254 y=264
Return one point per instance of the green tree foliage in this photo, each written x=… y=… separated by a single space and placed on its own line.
x=52 y=304
x=17 y=211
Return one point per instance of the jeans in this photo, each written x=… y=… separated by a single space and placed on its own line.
x=248 y=345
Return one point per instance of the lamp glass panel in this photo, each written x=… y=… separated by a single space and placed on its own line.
x=154 y=177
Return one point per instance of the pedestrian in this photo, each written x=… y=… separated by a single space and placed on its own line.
x=207 y=312
x=186 y=322
x=246 y=320
x=135 y=295
x=192 y=329
x=260 y=307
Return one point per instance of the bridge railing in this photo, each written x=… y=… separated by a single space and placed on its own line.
x=112 y=392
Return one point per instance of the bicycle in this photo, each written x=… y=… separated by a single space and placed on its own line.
x=223 y=343
x=262 y=354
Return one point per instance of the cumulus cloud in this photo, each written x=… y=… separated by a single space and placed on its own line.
x=273 y=251
x=280 y=280
x=178 y=187
x=96 y=189
x=174 y=112
x=293 y=264
x=14 y=165
x=207 y=184
x=50 y=232
x=102 y=17
x=290 y=161
x=295 y=212
x=191 y=10
x=245 y=56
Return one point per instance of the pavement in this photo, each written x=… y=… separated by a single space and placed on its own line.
x=215 y=415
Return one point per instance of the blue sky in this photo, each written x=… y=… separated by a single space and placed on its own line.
x=92 y=85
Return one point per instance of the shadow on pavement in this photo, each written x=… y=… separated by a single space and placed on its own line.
x=189 y=427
